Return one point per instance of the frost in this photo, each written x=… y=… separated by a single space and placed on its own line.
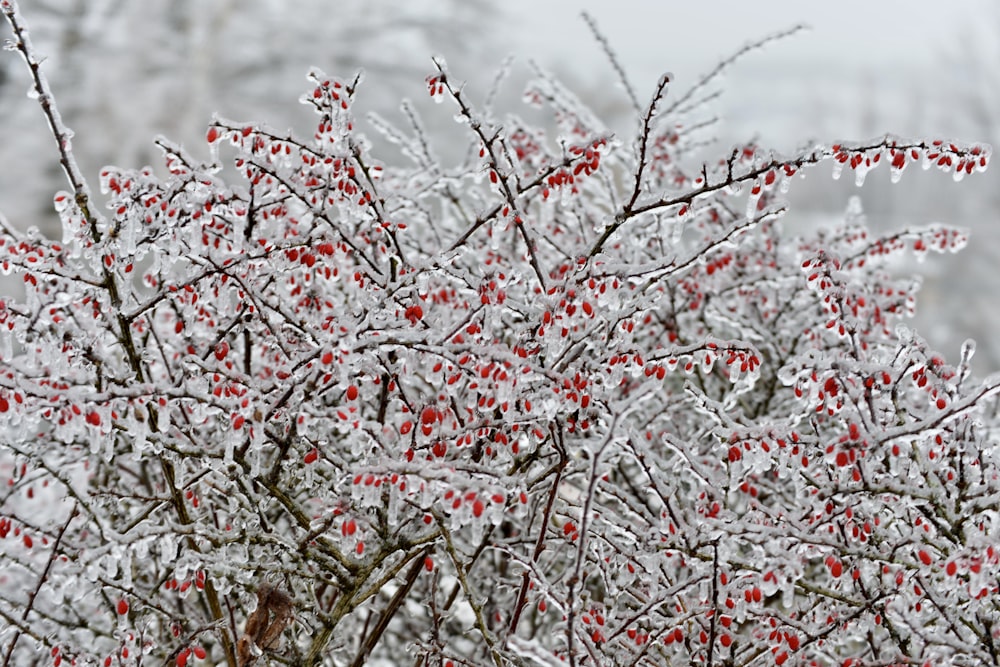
x=546 y=420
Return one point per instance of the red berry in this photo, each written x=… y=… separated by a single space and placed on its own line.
x=352 y=393
x=428 y=415
x=122 y=607
x=311 y=455
x=222 y=350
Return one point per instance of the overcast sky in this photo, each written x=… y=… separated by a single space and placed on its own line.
x=687 y=37
x=891 y=51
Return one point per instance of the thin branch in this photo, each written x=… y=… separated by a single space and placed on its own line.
x=390 y=610
x=647 y=128
x=729 y=62
x=613 y=59
x=38 y=587
x=62 y=134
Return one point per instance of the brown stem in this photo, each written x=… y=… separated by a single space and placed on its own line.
x=390 y=610
x=539 y=546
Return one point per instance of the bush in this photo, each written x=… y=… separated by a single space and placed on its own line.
x=569 y=402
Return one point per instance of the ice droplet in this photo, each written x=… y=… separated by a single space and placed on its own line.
x=230 y=446
x=859 y=175
x=752 y=201
x=62 y=201
x=707 y=362
x=497 y=229
x=968 y=349
x=163 y=419
x=788 y=375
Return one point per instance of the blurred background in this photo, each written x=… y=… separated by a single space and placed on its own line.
x=124 y=72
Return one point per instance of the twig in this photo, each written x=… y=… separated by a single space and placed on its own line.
x=581 y=546
x=60 y=132
x=494 y=165
x=390 y=610
x=38 y=587
x=730 y=61
x=729 y=178
x=613 y=59
x=539 y=543
x=476 y=607
x=647 y=122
